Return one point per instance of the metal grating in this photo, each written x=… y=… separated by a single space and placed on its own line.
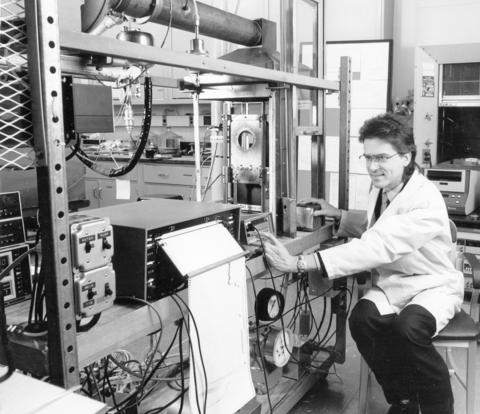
x=16 y=138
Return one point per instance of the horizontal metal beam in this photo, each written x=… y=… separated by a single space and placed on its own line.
x=104 y=46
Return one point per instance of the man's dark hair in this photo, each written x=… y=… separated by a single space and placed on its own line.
x=394 y=129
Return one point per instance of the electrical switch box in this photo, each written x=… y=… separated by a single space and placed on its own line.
x=92 y=251
x=94 y=290
x=92 y=242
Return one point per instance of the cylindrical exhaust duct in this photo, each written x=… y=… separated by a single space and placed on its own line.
x=214 y=22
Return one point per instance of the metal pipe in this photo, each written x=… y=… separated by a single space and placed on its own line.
x=216 y=23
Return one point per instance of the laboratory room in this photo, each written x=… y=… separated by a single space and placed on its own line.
x=239 y=207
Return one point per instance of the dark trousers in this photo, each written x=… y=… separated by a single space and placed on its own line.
x=399 y=350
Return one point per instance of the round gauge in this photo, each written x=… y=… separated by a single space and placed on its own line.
x=269 y=304
x=278 y=346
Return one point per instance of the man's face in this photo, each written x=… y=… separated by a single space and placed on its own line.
x=385 y=170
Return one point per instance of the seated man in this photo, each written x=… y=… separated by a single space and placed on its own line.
x=405 y=240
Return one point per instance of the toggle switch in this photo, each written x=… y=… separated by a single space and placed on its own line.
x=105 y=244
x=88 y=246
x=108 y=291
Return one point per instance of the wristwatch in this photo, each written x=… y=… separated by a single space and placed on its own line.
x=301 y=264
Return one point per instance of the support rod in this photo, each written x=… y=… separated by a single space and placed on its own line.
x=214 y=22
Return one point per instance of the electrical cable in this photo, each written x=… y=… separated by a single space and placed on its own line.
x=112 y=391
x=209 y=177
x=199 y=351
x=145 y=131
x=192 y=355
x=183 y=390
x=74 y=148
x=35 y=278
x=90 y=324
x=182 y=374
x=257 y=333
x=213 y=182
x=7 y=350
x=169 y=25
x=133 y=397
x=330 y=319
x=274 y=287
x=139 y=393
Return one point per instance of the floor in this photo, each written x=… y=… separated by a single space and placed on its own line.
x=339 y=392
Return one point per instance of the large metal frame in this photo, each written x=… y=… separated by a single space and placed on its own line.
x=46 y=91
x=45 y=72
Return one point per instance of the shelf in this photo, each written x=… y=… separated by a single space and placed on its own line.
x=123 y=324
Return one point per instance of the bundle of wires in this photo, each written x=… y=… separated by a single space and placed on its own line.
x=303 y=301
x=145 y=131
x=119 y=373
x=3 y=318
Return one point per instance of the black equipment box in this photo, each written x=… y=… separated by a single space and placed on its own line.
x=142 y=268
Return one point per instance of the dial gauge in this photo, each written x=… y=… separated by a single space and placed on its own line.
x=278 y=346
x=269 y=304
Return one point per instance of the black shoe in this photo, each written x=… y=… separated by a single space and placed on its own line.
x=404 y=407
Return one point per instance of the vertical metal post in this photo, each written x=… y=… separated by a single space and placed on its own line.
x=272 y=156
x=343 y=173
x=318 y=141
x=46 y=90
x=196 y=140
x=318 y=166
x=290 y=116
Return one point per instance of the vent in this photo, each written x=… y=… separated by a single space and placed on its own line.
x=16 y=138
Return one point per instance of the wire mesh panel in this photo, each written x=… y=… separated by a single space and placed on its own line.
x=16 y=139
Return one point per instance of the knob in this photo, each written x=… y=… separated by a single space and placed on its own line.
x=108 y=291
x=106 y=245
x=90 y=294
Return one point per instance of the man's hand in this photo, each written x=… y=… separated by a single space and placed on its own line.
x=277 y=255
x=326 y=209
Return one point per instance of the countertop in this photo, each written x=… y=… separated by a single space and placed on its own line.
x=183 y=160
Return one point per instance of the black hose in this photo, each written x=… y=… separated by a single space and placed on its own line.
x=147 y=120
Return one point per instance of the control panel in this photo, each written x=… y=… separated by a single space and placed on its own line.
x=250 y=227
x=11 y=232
x=16 y=284
x=10 y=205
x=92 y=252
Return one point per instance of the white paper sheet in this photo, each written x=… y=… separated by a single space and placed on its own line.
x=122 y=189
x=217 y=299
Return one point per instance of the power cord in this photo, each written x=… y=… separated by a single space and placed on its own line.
x=199 y=351
x=260 y=354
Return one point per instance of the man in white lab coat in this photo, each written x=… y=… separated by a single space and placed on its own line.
x=404 y=239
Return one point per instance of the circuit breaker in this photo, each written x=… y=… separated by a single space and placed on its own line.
x=92 y=252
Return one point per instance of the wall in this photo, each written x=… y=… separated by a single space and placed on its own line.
x=358 y=19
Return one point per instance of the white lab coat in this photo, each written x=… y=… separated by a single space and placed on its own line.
x=408 y=249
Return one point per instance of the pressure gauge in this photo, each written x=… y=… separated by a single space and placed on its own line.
x=269 y=304
x=278 y=346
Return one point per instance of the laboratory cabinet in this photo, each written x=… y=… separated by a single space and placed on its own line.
x=147 y=179
x=103 y=192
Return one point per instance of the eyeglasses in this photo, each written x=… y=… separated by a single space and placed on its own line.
x=377 y=158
